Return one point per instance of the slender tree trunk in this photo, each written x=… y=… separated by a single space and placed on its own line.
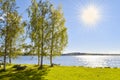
x=41 y=65
x=51 y=54
x=38 y=60
x=42 y=44
x=38 y=57
x=51 y=64
x=10 y=59
x=52 y=40
x=10 y=52
x=4 y=66
x=6 y=37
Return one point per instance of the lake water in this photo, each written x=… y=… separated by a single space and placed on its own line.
x=87 y=61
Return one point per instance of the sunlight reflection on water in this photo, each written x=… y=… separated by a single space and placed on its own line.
x=99 y=61
x=93 y=61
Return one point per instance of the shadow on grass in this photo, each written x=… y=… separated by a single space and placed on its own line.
x=28 y=74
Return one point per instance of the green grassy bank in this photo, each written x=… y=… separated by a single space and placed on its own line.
x=60 y=73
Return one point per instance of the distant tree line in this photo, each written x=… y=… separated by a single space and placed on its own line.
x=45 y=28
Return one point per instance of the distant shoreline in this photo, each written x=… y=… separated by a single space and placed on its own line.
x=96 y=54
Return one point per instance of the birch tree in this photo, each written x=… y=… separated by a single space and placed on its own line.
x=38 y=14
x=10 y=28
x=58 y=36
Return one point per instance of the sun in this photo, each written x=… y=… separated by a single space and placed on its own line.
x=90 y=15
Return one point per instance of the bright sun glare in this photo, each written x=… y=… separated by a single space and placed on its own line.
x=90 y=15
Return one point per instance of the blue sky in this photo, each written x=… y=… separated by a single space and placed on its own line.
x=102 y=37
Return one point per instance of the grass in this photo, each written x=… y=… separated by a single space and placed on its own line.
x=60 y=73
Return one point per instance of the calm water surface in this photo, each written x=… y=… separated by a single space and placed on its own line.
x=88 y=61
